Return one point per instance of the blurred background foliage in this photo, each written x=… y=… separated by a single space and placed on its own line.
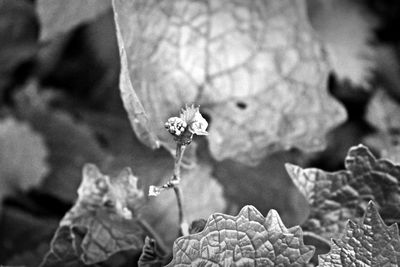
x=60 y=108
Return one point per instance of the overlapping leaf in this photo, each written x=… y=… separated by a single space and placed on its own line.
x=255 y=67
x=368 y=243
x=60 y=16
x=248 y=239
x=338 y=196
x=101 y=223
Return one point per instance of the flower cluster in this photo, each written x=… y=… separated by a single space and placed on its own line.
x=190 y=119
x=175 y=126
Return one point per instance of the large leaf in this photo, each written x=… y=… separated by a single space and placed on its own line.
x=368 y=243
x=57 y=17
x=248 y=239
x=255 y=67
x=338 y=196
x=23 y=156
x=101 y=223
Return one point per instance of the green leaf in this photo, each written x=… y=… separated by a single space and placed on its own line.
x=102 y=222
x=255 y=68
x=368 y=243
x=58 y=17
x=248 y=239
x=23 y=156
x=338 y=196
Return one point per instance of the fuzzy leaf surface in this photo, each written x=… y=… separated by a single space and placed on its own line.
x=60 y=16
x=339 y=196
x=102 y=222
x=255 y=68
x=367 y=243
x=249 y=239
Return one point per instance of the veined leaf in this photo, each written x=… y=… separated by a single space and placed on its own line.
x=368 y=243
x=102 y=222
x=248 y=239
x=255 y=67
x=338 y=196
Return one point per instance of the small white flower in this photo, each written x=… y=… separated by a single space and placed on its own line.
x=198 y=125
x=192 y=116
x=154 y=191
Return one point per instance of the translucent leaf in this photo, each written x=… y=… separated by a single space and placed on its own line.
x=368 y=243
x=338 y=196
x=254 y=67
x=347 y=30
x=248 y=239
x=102 y=222
x=60 y=16
x=23 y=156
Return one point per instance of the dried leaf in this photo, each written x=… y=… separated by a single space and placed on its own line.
x=23 y=156
x=60 y=16
x=102 y=222
x=248 y=239
x=255 y=67
x=368 y=243
x=338 y=196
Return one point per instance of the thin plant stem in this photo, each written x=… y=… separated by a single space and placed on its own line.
x=176 y=178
